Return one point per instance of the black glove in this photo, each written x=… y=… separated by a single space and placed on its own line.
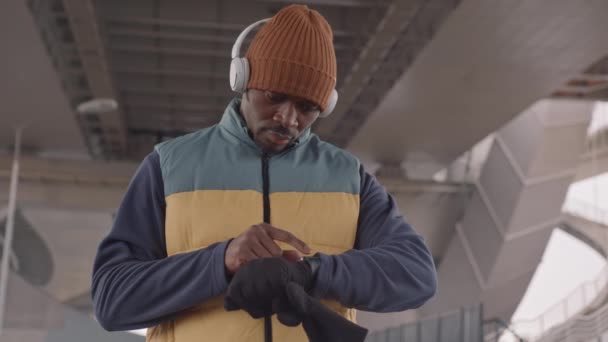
x=258 y=286
x=320 y=323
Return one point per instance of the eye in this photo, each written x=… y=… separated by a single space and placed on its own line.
x=275 y=98
x=307 y=107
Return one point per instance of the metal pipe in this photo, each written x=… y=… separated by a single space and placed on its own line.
x=10 y=225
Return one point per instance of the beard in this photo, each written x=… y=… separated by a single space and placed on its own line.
x=266 y=140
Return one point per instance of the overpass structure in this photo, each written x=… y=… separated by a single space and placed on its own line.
x=472 y=113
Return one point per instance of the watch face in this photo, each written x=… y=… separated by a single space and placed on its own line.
x=313 y=261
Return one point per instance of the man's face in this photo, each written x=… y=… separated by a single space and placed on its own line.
x=275 y=120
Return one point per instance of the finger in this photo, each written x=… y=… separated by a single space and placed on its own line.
x=258 y=250
x=268 y=243
x=287 y=237
x=292 y=255
x=244 y=257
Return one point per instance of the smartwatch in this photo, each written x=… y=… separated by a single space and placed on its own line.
x=314 y=262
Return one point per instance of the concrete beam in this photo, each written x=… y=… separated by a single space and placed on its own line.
x=91 y=49
x=74 y=184
x=517 y=203
x=485 y=53
x=388 y=34
x=589 y=232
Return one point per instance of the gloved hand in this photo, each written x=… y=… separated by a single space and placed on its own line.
x=320 y=323
x=257 y=286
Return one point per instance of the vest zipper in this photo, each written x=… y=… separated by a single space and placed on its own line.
x=266 y=198
x=266 y=187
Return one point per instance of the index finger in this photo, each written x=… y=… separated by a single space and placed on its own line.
x=287 y=237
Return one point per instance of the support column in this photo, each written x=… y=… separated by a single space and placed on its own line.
x=514 y=208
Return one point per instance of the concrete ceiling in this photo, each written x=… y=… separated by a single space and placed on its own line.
x=31 y=90
x=488 y=62
x=166 y=62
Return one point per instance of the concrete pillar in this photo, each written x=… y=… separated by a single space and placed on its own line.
x=516 y=204
x=431 y=208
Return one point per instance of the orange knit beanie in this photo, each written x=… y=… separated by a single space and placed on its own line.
x=294 y=54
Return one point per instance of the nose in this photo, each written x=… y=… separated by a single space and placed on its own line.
x=287 y=115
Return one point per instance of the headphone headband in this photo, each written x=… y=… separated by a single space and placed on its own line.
x=236 y=48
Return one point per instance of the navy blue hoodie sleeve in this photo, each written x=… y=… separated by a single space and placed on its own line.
x=135 y=284
x=390 y=269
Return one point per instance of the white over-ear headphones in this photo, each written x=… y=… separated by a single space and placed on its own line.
x=239 y=69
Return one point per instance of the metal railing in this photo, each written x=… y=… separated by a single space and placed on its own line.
x=588 y=326
x=577 y=301
x=589 y=298
x=586 y=210
x=584 y=297
x=496 y=329
x=574 y=303
x=464 y=325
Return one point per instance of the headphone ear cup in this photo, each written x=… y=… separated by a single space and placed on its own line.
x=331 y=104
x=239 y=74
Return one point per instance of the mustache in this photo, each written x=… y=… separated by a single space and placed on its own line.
x=281 y=130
